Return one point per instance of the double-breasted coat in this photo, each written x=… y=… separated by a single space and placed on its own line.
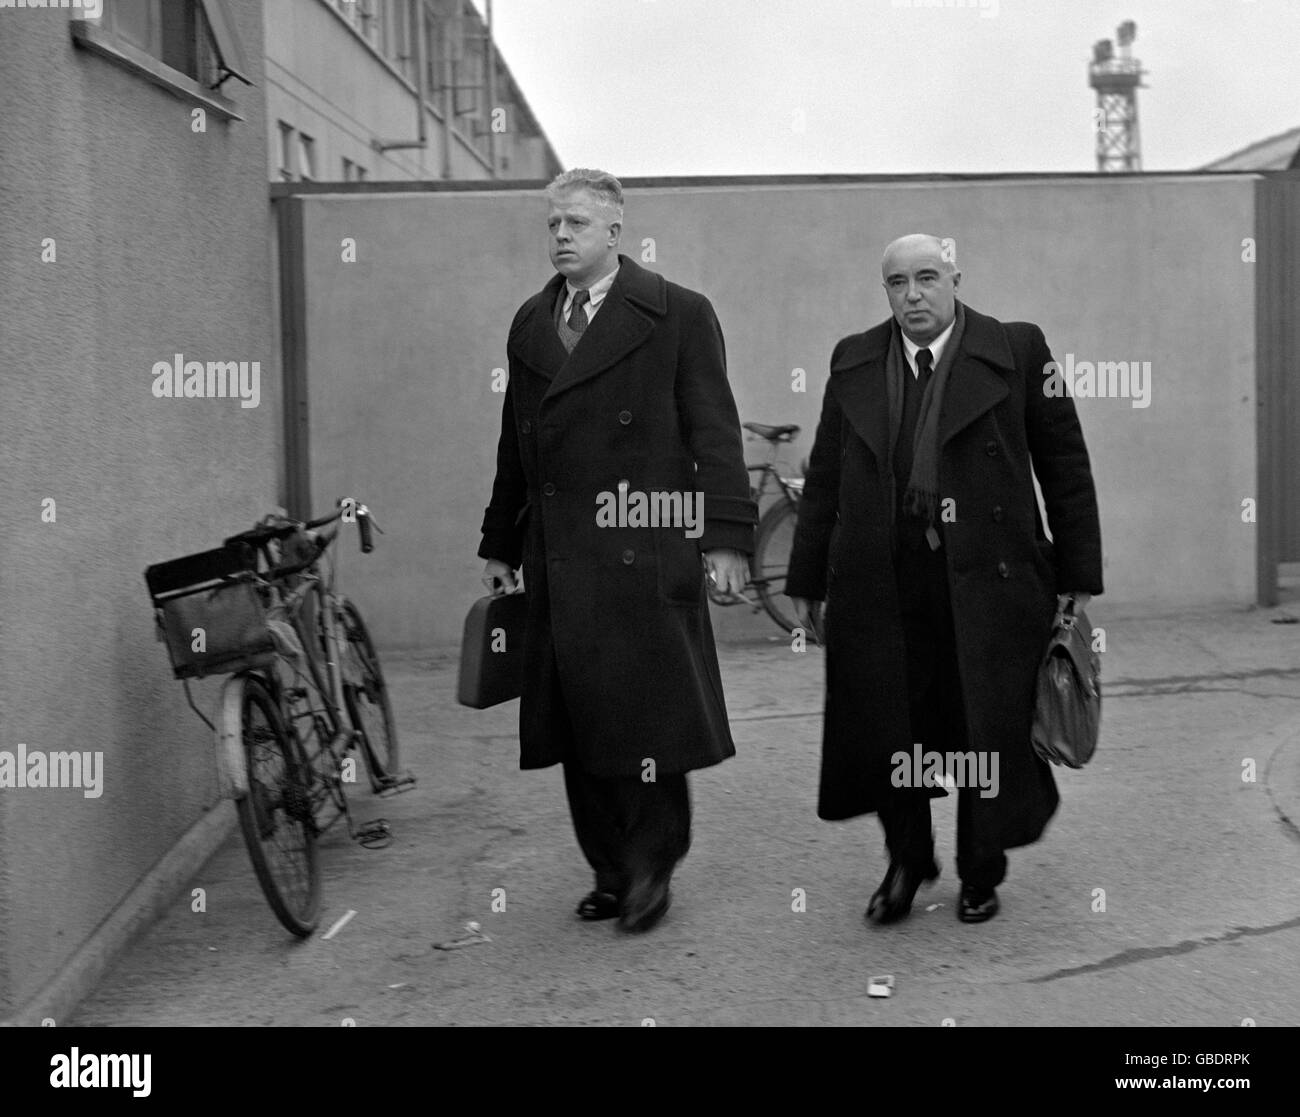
x=619 y=660
x=998 y=428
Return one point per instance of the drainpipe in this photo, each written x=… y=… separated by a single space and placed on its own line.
x=491 y=55
x=448 y=91
x=421 y=87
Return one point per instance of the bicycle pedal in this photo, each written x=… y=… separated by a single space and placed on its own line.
x=395 y=785
x=375 y=834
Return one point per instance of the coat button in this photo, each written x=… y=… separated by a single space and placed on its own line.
x=548 y=489
x=526 y=426
x=625 y=417
x=628 y=557
x=991 y=448
x=997 y=513
x=1003 y=571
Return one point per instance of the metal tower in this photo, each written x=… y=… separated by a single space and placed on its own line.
x=1117 y=81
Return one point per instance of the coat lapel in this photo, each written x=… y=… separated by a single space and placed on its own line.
x=858 y=380
x=620 y=326
x=535 y=340
x=975 y=385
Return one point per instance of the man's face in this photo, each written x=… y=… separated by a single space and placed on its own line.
x=922 y=289
x=584 y=237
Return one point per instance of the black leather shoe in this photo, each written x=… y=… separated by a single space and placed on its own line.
x=645 y=904
x=977 y=904
x=598 y=905
x=893 y=899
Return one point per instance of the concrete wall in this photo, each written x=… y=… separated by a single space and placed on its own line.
x=161 y=238
x=401 y=348
x=324 y=79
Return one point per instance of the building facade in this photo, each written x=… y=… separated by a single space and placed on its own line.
x=393 y=90
x=135 y=228
x=1276 y=153
x=137 y=233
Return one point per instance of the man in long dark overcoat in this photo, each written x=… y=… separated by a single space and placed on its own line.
x=920 y=530
x=620 y=484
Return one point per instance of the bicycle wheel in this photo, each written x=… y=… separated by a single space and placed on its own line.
x=771 y=561
x=275 y=815
x=368 y=702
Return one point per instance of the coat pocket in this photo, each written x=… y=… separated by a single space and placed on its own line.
x=680 y=571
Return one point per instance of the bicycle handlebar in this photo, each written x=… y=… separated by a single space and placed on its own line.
x=263 y=534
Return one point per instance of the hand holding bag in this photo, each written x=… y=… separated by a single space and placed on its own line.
x=492 y=651
x=1067 y=710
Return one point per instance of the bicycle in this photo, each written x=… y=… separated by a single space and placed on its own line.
x=775 y=537
x=305 y=692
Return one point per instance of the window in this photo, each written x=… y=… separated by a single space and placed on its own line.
x=286 y=151
x=353 y=172
x=194 y=37
x=398 y=39
x=349 y=10
x=368 y=12
x=136 y=21
x=434 y=32
x=298 y=155
x=306 y=158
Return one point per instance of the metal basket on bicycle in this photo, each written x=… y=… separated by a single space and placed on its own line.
x=210 y=600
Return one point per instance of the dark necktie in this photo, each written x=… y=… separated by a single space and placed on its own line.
x=924 y=361
x=578 y=313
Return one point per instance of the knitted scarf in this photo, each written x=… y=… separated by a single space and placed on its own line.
x=922 y=494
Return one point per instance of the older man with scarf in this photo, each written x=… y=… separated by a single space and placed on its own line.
x=920 y=530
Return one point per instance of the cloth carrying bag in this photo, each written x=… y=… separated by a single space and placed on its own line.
x=492 y=651
x=1067 y=708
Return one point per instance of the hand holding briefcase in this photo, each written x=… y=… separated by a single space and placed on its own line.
x=492 y=650
x=1067 y=710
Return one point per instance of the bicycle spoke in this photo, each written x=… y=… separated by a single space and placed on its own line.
x=281 y=823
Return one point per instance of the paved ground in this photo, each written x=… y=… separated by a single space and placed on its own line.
x=1201 y=873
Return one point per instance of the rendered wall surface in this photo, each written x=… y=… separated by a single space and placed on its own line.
x=401 y=347
x=161 y=237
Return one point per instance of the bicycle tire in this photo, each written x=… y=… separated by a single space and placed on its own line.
x=771 y=561
x=278 y=807
x=369 y=705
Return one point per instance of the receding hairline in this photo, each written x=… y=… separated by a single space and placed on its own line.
x=918 y=240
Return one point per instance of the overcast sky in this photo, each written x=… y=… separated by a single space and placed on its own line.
x=695 y=87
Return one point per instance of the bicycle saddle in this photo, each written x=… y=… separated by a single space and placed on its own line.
x=773 y=434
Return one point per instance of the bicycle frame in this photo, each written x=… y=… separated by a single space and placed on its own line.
x=325 y=695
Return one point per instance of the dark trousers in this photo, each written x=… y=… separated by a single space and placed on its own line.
x=627 y=828
x=938 y=719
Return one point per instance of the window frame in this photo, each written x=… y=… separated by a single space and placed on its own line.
x=305 y=149
x=287 y=150
x=219 y=53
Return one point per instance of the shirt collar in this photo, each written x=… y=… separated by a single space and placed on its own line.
x=935 y=347
x=597 y=291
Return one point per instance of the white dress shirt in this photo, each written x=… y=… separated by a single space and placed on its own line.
x=596 y=295
x=935 y=347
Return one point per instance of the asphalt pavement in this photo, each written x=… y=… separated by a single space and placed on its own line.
x=1197 y=921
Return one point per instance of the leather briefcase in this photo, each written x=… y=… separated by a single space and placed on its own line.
x=492 y=651
x=1067 y=708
